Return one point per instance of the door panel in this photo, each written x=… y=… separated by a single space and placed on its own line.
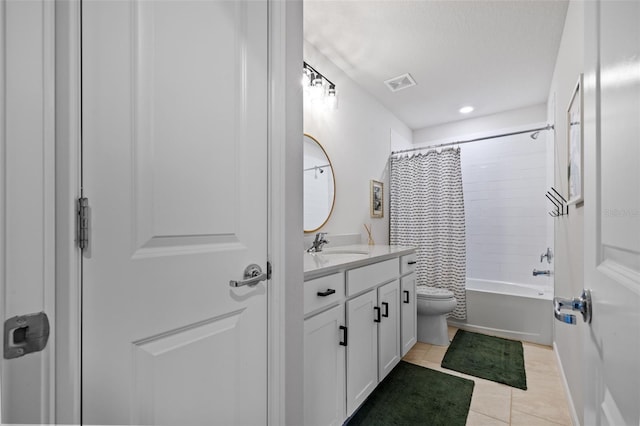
x=362 y=352
x=409 y=313
x=324 y=373
x=389 y=328
x=612 y=206
x=175 y=169
x=173 y=117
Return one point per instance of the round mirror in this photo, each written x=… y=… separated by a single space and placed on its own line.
x=319 y=185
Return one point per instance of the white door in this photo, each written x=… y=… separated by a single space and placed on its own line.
x=409 y=313
x=325 y=340
x=612 y=212
x=363 y=316
x=389 y=328
x=174 y=103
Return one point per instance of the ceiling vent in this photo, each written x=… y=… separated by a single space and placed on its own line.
x=401 y=82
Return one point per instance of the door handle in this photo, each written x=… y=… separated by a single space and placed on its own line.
x=377 y=318
x=581 y=304
x=344 y=342
x=412 y=262
x=386 y=309
x=252 y=275
x=327 y=292
x=406 y=293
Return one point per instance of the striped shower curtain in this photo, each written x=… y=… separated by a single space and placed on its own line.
x=427 y=211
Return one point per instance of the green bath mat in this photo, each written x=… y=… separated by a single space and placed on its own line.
x=488 y=357
x=414 y=395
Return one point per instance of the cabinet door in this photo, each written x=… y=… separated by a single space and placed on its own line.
x=388 y=328
x=408 y=313
x=362 y=352
x=324 y=368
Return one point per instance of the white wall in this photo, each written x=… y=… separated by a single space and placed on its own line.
x=569 y=229
x=358 y=137
x=504 y=182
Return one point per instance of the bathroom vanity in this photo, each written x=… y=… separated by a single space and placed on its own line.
x=360 y=320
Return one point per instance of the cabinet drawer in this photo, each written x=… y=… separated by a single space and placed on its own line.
x=323 y=292
x=369 y=276
x=408 y=263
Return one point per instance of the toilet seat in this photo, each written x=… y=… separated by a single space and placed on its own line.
x=433 y=293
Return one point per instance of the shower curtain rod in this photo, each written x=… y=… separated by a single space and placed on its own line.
x=547 y=127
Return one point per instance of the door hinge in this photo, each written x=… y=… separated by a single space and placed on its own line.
x=269 y=270
x=83 y=223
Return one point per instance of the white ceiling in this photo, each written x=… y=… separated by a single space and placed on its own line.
x=494 y=55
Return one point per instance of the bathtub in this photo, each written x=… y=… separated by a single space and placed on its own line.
x=509 y=310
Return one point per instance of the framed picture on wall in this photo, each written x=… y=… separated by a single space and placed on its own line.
x=575 y=156
x=377 y=199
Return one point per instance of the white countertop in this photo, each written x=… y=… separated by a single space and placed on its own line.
x=340 y=258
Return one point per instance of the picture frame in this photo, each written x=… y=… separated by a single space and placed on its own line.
x=575 y=143
x=377 y=199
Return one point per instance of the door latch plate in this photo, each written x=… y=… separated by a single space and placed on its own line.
x=25 y=334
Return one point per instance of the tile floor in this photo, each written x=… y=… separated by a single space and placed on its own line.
x=544 y=403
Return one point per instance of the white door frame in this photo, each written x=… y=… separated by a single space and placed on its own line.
x=27 y=203
x=285 y=316
x=68 y=273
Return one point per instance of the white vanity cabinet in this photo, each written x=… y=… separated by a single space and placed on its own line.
x=362 y=349
x=408 y=313
x=354 y=320
x=388 y=328
x=324 y=373
x=408 y=310
x=373 y=323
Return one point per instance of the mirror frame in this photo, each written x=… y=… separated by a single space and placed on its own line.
x=333 y=175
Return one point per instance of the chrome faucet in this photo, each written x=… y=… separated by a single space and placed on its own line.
x=545 y=272
x=318 y=243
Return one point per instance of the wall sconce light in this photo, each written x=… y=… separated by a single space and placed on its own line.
x=318 y=88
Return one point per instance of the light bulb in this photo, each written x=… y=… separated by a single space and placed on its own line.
x=332 y=98
x=316 y=90
x=306 y=80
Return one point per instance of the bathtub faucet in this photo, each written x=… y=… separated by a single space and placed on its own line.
x=545 y=272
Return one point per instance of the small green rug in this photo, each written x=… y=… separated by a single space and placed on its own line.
x=414 y=395
x=488 y=357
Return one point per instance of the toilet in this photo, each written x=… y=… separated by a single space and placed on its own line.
x=433 y=306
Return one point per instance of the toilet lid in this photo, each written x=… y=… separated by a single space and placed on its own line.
x=426 y=292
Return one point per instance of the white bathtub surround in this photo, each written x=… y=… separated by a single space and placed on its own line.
x=427 y=211
x=509 y=310
x=504 y=183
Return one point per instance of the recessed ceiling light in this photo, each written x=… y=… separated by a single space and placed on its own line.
x=466 y=110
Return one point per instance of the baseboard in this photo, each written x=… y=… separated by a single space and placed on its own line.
x=572 y=409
